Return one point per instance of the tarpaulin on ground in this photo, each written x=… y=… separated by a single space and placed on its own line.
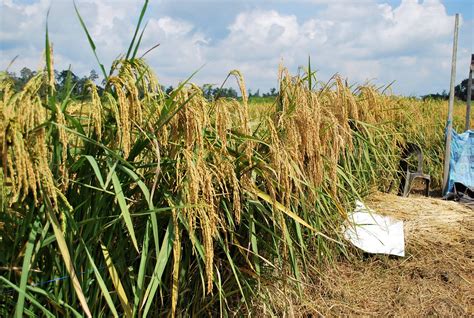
x=461 y=165
x=374 y=233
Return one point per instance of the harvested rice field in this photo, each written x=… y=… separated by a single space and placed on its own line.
x=434 y=279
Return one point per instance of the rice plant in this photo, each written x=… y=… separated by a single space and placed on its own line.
x=130 y=201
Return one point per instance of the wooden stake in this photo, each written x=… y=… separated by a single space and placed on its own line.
x=449 y=132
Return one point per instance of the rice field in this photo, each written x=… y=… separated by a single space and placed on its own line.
x=135 y=202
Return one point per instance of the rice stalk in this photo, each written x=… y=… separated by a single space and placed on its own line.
x=190 y=204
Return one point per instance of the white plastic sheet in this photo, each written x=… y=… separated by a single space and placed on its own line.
x=375 y=233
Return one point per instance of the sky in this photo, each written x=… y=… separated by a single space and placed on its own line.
x=376 y=41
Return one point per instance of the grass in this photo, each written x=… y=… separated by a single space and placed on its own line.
x=134 y=202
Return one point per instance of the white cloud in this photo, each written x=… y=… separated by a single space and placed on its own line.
x=264 y=28
x=409 y=43
x=172 y=27
x=181 y=51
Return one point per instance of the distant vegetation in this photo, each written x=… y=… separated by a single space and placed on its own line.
x=78 y=84
x=209 y=91
x=460 y=92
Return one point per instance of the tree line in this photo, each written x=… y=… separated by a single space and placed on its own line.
x=460 y=92
x=63 y=78
x=67 y=78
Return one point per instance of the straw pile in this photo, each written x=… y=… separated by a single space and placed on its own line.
x=434 y=279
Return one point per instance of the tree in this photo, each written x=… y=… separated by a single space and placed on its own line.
x=26 y=74
x=273 y=92
x=169 y=89
x=460 y=91
x=93 y=76
x=62 y=78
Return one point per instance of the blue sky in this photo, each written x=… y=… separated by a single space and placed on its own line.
x=406 y=41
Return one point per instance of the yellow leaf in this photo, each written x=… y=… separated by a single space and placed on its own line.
x=262 y=195
x=68 y=262
x=117 y=283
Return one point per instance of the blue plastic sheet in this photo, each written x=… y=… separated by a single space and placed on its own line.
x=461 y=165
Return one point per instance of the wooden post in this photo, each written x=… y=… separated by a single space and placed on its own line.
x=469 y=92
x=449 y=126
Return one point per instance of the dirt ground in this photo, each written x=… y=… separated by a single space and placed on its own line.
x=435 y=278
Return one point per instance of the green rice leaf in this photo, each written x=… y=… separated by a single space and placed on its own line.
x=124 y=208
x=25 y=269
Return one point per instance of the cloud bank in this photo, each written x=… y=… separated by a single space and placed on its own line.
x=409 y=43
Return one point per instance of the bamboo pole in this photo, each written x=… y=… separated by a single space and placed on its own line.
x=469 y=92
x=449 y=128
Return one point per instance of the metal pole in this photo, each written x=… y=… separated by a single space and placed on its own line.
x=469 y=92
x=449 y=127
